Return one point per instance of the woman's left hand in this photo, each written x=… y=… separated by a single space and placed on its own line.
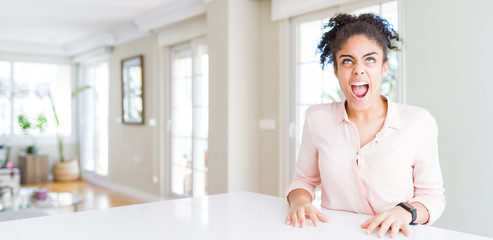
x=394 y=220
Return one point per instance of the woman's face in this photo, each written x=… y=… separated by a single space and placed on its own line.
x=360 y=69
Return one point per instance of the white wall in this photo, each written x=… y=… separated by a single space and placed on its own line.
x=217 y=156
x=268 y=100
x=243 y=95
x=134 y=149
x=233 y=133
x=449 y=71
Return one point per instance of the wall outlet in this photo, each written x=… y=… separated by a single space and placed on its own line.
x=152 y=122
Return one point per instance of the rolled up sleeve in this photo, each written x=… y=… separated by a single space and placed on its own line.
x=307 y=175
x=427 y=176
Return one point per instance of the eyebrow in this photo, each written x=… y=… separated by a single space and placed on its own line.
x=368 y=54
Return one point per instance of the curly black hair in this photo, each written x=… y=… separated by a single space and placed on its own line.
x=343 y=26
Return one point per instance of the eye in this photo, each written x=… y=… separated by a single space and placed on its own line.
x=370 y=60
x=347 y=61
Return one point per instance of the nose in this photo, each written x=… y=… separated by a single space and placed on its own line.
x=358 y=70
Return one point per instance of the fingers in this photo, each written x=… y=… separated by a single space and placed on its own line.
x=297 y=216
x=384 y=227
x=394 y=230
x=386 y=223
x=405 y=230
x=294 y=219
x=301 y=218
x=374 y=223
x=367 y=222
x=313 y=217
x=321 y=216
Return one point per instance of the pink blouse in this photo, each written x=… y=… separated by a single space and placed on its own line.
x=399 y=165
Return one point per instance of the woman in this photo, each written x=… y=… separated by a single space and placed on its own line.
x=368 y=154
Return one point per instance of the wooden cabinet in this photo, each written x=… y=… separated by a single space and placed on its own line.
x=34 y=168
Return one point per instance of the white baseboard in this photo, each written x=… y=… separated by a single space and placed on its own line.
x=104 y=183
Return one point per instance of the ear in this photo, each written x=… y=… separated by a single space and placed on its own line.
x=385 y=67
x=335 y=71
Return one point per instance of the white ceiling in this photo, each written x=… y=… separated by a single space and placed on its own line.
x=65 y=22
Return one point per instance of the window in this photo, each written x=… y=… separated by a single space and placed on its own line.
x=5 y=103
x=94 y=107
x=189 y=118
x=25 y=89
x=311 y=84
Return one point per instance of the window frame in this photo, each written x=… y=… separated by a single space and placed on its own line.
x=188 y=44
x=82 y=74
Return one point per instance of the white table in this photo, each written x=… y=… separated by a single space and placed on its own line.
x=242 y=215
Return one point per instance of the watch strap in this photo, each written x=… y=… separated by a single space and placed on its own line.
x=408 y=207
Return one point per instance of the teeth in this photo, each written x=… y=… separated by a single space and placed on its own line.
x=359 y=83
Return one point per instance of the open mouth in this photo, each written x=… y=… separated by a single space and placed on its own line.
x=360 y=89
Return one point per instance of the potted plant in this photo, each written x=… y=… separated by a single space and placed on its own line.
x=26 y=125
x=65 y=170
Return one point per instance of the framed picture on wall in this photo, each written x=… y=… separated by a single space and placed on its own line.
x=133 y=90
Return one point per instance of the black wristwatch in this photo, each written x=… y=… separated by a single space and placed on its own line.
x=410 y=209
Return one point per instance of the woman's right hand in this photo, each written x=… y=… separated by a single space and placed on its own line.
x=301 y=207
